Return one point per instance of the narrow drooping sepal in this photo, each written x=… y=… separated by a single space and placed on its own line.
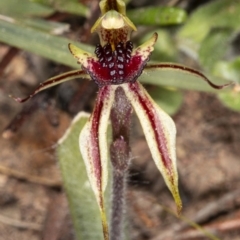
x=94 y=147
x=174 y=67
x=55 y=81
x=160 y=132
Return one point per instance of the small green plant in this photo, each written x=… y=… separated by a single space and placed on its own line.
x=116 y=68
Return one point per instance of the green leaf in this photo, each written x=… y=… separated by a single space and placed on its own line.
x=40 y=43
x=168 y=99
x=216 y=14
x=228 y=70
x=54 y=28
x=164 y=49
x=14 y=8
x=230 y=99
x=214 y=47
x=157 y=16
x=82 y=202
x=70 y=6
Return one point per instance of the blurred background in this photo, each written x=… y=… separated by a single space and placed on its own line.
x=33 y=47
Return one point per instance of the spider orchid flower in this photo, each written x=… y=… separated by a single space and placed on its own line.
x=115 y=68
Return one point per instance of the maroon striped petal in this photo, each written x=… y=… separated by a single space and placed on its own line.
x=94 y=147
x=160 y=131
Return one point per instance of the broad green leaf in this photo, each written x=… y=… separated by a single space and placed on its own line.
x=179 y=79
x=82 y=202
x=168 y=99
x=157 y=16
x=54 y=28
x=40 y=43
x=214 y=47
x=228 y=70
x=216 y=14
x=70 y=6
x=23 y=8
x=230 y=99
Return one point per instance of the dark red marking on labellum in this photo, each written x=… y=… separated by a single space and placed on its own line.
x=115 y=67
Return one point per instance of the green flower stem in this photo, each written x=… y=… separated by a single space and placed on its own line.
x=120 y=158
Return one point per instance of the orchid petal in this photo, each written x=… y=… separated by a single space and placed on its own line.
x=55 y=81
x=82 y=56
x=160 y=131
x=146 y=48
x=181 y=68
x=94 y=147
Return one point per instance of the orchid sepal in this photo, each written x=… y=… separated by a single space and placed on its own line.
x=94 y=147
x=160 y=132
x=118 y=6
x=93 y=141
x=54 y=81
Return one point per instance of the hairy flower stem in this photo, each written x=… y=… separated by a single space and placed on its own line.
x=120 y=156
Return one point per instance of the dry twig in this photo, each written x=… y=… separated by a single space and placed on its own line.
x=30 y=178
x=20 y=224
